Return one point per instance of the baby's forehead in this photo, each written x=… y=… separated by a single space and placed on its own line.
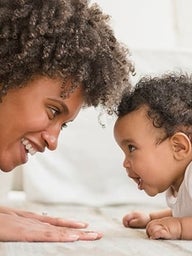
x=135 y=127
x=140 y=110
x=133 y=118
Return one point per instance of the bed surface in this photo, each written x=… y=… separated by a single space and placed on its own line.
x=117 y=240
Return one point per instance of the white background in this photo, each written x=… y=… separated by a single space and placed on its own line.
x=154 y=24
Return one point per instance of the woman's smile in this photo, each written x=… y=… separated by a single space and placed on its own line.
x=39 y=124
x=28 y=146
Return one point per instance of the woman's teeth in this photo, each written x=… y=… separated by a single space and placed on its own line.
x=28 y=146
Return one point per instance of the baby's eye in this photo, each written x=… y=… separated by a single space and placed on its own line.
x=131 y=148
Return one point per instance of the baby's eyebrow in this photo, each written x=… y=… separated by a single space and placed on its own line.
x=127 y=141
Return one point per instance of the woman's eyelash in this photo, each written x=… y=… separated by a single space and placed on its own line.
x=63 y=126
x=54 y=111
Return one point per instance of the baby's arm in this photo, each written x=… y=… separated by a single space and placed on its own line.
x=160 y=214
x=160 y=224
x=140 y=220
x=170 y=228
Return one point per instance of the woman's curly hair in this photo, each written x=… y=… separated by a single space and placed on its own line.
x=66 y=39
x=168 y=99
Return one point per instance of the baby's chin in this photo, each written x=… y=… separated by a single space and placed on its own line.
x=151 y=193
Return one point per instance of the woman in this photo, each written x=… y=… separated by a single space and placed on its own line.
x=56 y=57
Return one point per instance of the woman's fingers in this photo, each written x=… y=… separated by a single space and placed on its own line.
x=59 y=234
x=62 y=222
x=18 y=228
x=53 y=220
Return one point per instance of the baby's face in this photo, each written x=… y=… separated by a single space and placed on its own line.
x=150 y=164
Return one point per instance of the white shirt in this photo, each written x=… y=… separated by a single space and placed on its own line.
x=181 y=204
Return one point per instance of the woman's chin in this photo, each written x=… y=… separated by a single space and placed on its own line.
x=8 y=166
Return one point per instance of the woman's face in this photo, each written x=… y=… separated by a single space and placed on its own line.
x=32 y=117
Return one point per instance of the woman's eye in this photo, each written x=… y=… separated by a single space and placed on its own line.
x=131 y=148
x=64 y=125
x=54 y=111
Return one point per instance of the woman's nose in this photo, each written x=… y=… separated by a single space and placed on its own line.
x=50 y=136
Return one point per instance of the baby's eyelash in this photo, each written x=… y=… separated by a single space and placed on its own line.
x=131 y=148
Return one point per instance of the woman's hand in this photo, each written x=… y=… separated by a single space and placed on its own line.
x=19 y=225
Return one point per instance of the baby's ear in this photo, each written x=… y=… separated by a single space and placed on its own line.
x=181 y=145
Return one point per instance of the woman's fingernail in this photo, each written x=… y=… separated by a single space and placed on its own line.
x=93 y=235
x=74 y=237
x=82 y=224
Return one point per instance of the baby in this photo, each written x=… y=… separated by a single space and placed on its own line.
x=154 y=130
